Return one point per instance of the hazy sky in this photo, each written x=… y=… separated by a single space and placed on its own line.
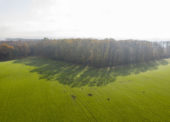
x=119 y=19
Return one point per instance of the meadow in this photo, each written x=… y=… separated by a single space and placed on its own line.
x=43 y=90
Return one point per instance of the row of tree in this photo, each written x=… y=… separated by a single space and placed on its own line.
x=107 y=52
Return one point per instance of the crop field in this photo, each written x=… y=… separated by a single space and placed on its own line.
x=42 y=90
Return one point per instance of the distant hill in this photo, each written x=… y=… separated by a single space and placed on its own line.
x=18 y=39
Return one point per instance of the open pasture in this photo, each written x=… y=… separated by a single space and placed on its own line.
x=41 y=90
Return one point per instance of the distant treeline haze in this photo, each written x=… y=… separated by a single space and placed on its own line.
x=107 y=52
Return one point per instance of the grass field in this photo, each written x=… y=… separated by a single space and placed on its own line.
x=41 y=90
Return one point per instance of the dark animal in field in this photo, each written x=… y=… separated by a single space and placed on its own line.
x=73 y=96
x=108 y=99
x=90 y=94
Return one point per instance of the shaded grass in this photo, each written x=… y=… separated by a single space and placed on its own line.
x=78 y=75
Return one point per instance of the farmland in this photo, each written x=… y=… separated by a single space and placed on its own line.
x=40 y=90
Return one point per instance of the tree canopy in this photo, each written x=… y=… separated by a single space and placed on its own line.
x=99 y=53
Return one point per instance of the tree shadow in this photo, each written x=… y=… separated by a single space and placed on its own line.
x=2 y=60
x=79 y=75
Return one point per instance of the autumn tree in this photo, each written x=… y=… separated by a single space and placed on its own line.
x=5 y=51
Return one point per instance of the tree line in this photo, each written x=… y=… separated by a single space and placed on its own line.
x=95 y=52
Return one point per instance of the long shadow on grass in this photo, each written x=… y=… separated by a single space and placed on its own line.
x=78 y=75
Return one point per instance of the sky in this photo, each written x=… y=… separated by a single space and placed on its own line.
x=119 y=19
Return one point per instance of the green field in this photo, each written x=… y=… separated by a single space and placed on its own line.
x=41 y=90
